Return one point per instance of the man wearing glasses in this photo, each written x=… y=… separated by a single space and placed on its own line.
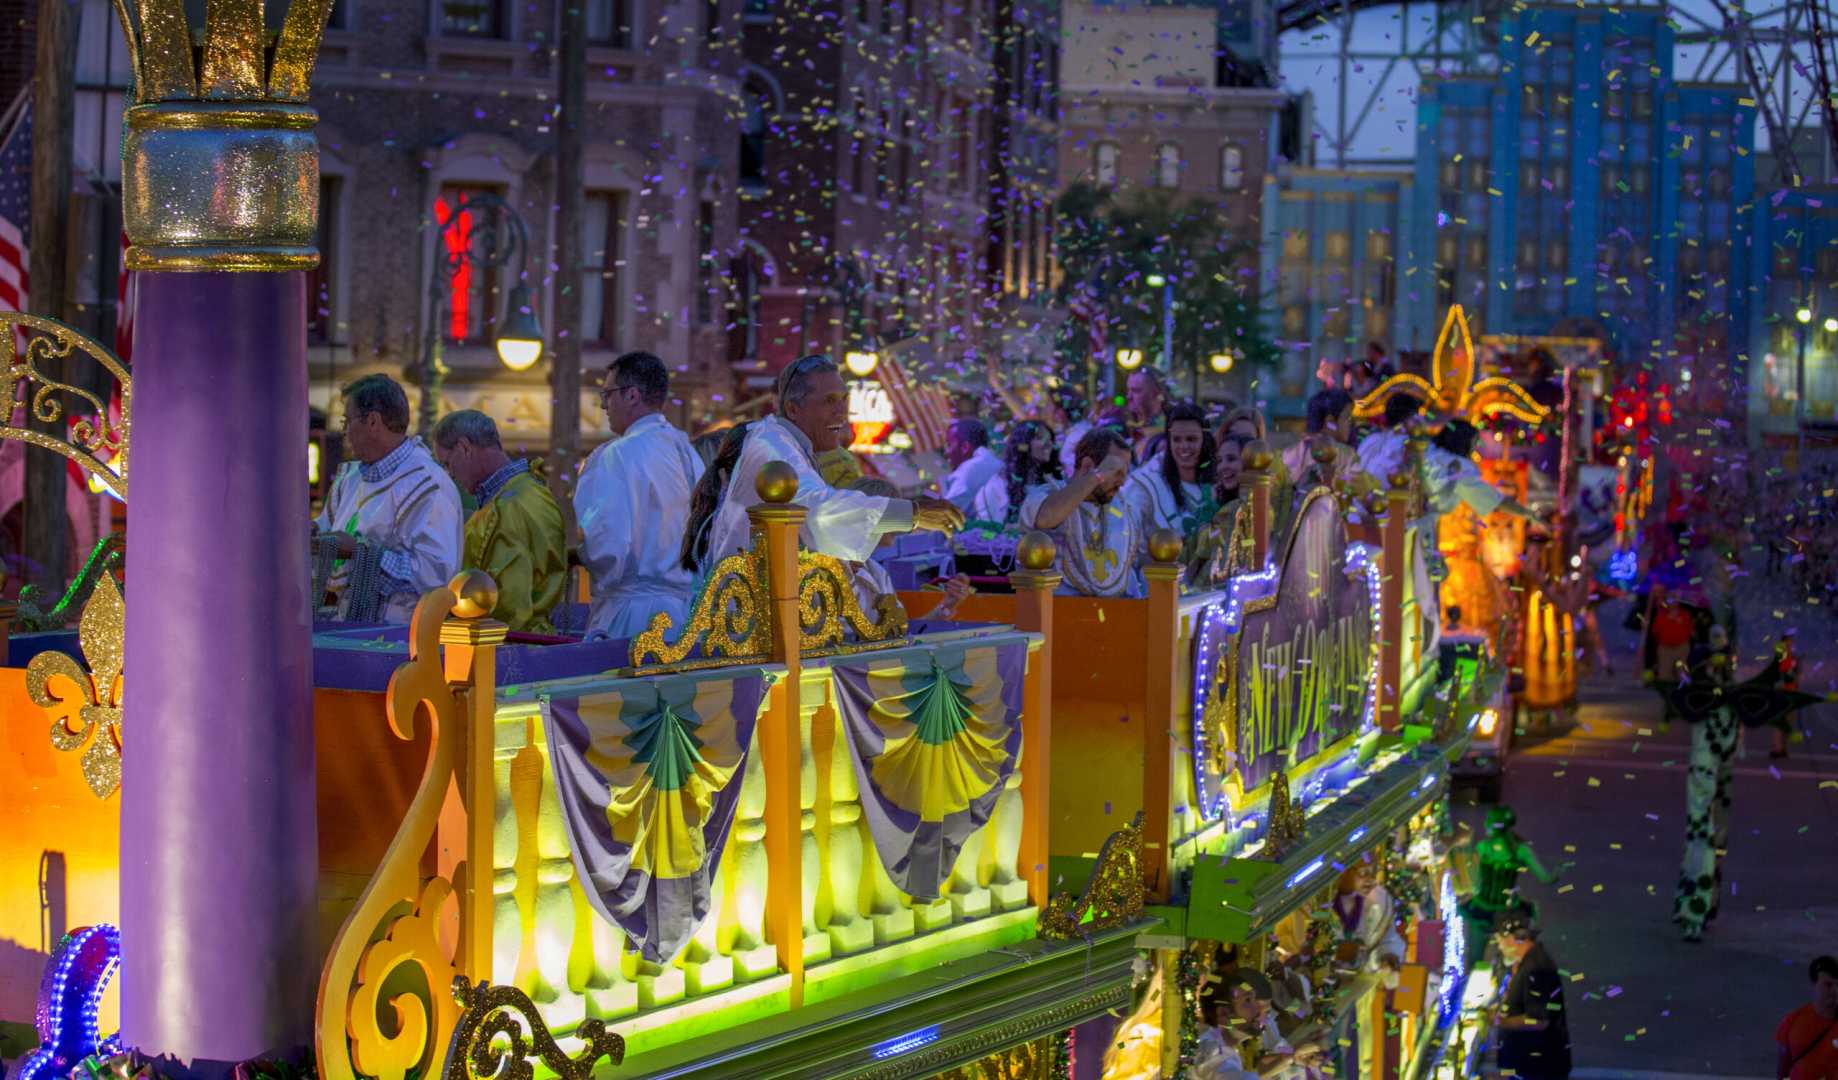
x=813 y=419
x=632 y=503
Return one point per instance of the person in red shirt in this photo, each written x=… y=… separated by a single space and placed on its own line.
x=1808 y=1037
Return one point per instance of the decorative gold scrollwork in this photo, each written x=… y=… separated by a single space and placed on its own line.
x=93 y=714
x=1113 y=896
x=828 y=609
x=50 y=342
x=395 y=921
x=728 y=620
x=488 y=1043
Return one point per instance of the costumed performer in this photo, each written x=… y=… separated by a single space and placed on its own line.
x=1099 y=541
x=515 y=535
x=632 y=503
x=1368 y=916
x=1500 y=857
x=813 y=418
x=394 y=499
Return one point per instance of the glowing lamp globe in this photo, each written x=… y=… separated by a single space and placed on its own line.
x=1831 y=326
x=1129 y=359
x=1804 y=315
x=860 y=362
x=520 y=338
x=1220 y=362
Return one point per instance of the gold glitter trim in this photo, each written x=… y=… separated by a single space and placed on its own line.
x=292 y=75
x=489 y=1041
x=273 y=260
x=217 y=117
x=48 y=341
x=97 y=712
x=1113 y=897
x=165 y=53
x=828 y=608
x=233 y=46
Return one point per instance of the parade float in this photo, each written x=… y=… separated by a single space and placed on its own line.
x=790 y=838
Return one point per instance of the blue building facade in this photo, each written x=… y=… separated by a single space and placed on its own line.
x=1584 y=186
x=1332 y=240
x=1795 y=258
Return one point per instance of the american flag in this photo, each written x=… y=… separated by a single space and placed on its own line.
x=1085 y=308
x=925 y=410
x=15 y=205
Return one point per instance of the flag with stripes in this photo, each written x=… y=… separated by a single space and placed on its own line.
x=1085 y=307
x=924 y=410
x=126 y=294
x=15 y=204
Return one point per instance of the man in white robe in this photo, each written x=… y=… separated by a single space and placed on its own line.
x=1098 y=536
x=632 y=502
x=394 y=497
x=973 y=463
x=813 y=418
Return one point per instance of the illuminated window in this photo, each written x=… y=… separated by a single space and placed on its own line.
x=1231 y=168
x=472 y=291
x=1168 y=166
x=1104 y=163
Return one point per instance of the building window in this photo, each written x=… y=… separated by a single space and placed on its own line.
x=472 y=18
x=1231 y=168
x=603 y=215
x=1168 y=166
x=753 y=142
x=1104 y=163
x=861 y=12
x=341 y=16
x=472 y=291
x=890 y=12
x=321 y=281
x=708 y=283
x=609 y=22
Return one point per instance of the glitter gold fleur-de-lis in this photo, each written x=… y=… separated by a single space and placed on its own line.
x=1452 y=390
x=88 y=709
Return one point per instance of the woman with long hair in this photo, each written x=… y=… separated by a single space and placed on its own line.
x=1208 y=561
x=705 y=501
x=1173 y=489
x=1028 y=462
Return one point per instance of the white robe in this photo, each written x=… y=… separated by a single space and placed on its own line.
x=412 y=513
x=1098 y=546
x=1147 y=490
x=992 y=502
x=840 y=522
x=1069 y=445
x=966 y=482
x=633 y=503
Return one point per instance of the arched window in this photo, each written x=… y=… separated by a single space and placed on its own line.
x=1231 y=168
x=753 y=138
x=1104 y=164
x=1167 y=166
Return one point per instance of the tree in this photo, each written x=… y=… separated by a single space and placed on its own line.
x=1111 y=242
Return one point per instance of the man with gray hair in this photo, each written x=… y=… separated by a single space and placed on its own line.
x=392 y=498
x=813 y=418
x=515 y=535
x=632 y=502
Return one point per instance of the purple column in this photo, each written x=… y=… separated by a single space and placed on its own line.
x=219 y=843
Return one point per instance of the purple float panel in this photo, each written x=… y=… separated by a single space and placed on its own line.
x=219 y=855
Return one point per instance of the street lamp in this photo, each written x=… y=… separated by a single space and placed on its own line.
x=1129 y=359
x=1831 y=326
x=1161 y=281
x=1221 y=362
x=483 y=232
x=1802 y=316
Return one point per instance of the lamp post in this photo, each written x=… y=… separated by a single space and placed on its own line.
x=1166 y=285
x=1802 y=317
x=490 y=234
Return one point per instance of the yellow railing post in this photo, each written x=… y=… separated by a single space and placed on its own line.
x=470 y=640
x=1164 y=580
x=1034 y=584
x=776 y=523
x=1394 y=535
x=1259 y=465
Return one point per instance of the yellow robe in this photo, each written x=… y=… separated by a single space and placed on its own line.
x=517 y=539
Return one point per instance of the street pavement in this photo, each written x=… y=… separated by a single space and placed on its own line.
x=1607 y=796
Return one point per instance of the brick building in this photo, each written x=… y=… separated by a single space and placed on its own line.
x=897 y=176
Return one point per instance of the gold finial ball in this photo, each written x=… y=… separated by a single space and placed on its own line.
x=1165 y=545
x=1036 y=551
x=1258 y=460
x=475 y=594
x=1375 y=504
x=1398 y=480
x=777 y=482
x=1324 y=453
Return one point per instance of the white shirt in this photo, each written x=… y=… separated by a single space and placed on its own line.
x=632 y=502
x=992 y=502
x=1218 y=1061
x=406 y=505
x=872 y=581
x=843 y=523
x=1450 y=480
x=1148 y=492
x=966 y=482
x=1382 y=453
x=1097 y=545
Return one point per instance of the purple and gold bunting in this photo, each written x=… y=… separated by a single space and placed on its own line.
x=934 y=733
x=648 y=774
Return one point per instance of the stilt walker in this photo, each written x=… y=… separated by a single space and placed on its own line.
x=219 y=859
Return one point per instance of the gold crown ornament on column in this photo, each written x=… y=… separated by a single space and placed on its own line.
x=220 y=167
